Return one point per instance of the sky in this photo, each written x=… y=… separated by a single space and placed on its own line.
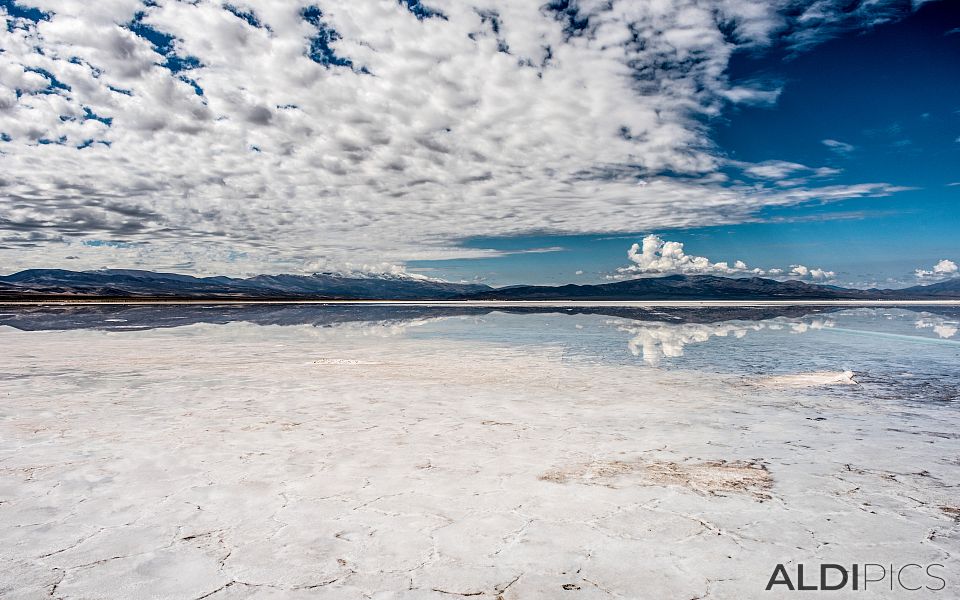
x=501 y=141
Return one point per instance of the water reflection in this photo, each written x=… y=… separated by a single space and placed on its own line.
x=656 y=341
x=896 y=352
x=942 y=327
x=137 y=317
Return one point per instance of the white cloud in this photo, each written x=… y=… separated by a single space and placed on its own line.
x=816 y=274
x=784 y=173
x=821 y=19
x=839 y=147
x=757 y=96
x=656 y=256
x=942 y=270
x=437 y=130
x=781 y=169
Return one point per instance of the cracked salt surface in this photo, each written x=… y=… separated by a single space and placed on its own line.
x=372 y=460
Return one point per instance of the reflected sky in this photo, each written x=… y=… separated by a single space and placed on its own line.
x=895 y=352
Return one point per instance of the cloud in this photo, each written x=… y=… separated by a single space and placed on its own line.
x=753 y=95
x=820 y=20
x=816 y=274
x=838 y=147
x=544 y=250
x=273 y=136
x=655 y=256
x=942 y=270
x=784 y=172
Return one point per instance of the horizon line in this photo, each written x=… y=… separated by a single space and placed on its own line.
x=494 y=303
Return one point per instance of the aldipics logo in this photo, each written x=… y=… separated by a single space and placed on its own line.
x=911 y=577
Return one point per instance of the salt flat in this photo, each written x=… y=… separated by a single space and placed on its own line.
x=246 y=461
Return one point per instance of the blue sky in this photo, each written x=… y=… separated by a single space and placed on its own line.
x=546 y=141
x=889 y=95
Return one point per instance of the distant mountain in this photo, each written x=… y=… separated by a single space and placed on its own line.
x=125 y=283
x=945 y=289
x=709 y=287
x=117 y=283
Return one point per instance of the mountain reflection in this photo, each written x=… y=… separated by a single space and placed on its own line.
x=655 y=333
x=152 y=316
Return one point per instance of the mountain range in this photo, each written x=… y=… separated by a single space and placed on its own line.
x=132 y=284
x=128 y=283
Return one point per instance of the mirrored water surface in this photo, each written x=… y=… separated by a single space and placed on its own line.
x=894 y=352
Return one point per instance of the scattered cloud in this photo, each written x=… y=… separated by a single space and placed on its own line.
x=838 y=147
x=753 y=96
x=784 y=172
x=533 y=250
x=261 y=136
x=816 y=274
x=655 y=256
x=943 y=269
x=823 y=19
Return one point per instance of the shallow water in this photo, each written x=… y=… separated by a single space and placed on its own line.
x=901 y=353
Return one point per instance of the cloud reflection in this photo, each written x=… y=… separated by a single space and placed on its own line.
x=942 y=327
x=656 y=341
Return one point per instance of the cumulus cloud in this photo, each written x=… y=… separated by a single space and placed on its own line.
x=816 y=274
x=274 y=136
x=656 y=256
x=943 y=269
